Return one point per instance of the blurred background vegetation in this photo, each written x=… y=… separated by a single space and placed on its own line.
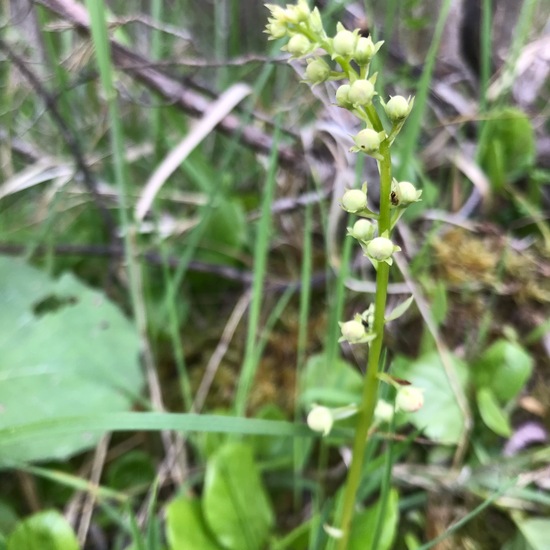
x=198 y=206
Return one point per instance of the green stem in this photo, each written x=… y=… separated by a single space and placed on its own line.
x=370 y=387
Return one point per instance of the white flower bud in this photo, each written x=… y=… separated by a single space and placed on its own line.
x=361 y=92
x=320 y=419
x=302 y=11
x=298 y=45
x=352 y=331
x=367 y=140
x=354 y=200
x=362 y=230
x=317 y=71
x=404 y=193
x=380 y=249
x=409 y=399
x=344 y=43
x=397 y=108
x=383 y=411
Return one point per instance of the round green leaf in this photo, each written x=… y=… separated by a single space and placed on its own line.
x=65 y=350
x=504 y=367
x=440 y=418
x=43 y=531
x=235 y=503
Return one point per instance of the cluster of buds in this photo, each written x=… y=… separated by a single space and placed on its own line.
x=346 y=58
x=359 y=329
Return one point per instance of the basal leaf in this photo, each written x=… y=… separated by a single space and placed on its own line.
x=235 y=503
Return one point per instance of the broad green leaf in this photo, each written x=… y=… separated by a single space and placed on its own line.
x=440 y=418
x=364 y=525
x=186 y=528
x=536 y=531
x=43 y=531
x=400 y=309
x=504 y=367
x=65 y=350
x=333 y=385
x=235 y=503
x=508 y=146
x=491 y=413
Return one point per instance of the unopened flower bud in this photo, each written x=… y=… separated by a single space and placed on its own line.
x=383 y=411
x=342 y=96
x=361 y=92
x=409 y=399
x=404 y=193
x=352 y=331
x=367 y=140
x=320 y=419
x=381 y=249
x=302 y=11
x=397 y=108
x=275 y=30
x=364 y=50
x=362 y=230
x=344 y=43
x=317 y=71
x=298 y=45
x=354 y=200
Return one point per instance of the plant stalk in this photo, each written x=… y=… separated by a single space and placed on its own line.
x=371 y=382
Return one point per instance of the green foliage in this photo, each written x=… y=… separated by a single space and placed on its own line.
x=65 y=350
x=132 y=470
x=235 y=512
x=504 y=368
x=43 y=531
x=364 y=525
x=335 y=384
x=428 y=372
x=491 y=413
x=507 y=149
x=186 y=528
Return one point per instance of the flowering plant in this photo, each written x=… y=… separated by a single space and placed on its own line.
x=346 y=58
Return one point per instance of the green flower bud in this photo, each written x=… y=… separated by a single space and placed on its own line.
x=317 y=71
x=361 y=92
x=298 y=45
x=316 y=23
x=344 y=43
x=409 y=399
x=354 y=200
x=380 y=249
x=301 y=11
x=352 y=331
x=275 y=29
x=365 y=50
x=367 y=140
x=397 y=108
x=363 y=230
x=342 y=96
x=320 y=419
